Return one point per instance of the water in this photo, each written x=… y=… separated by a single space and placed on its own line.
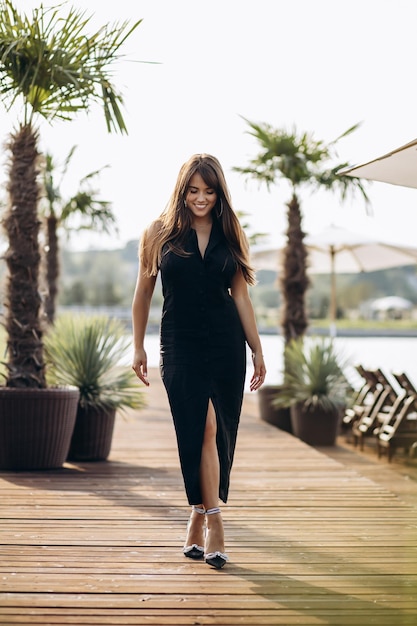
x=391 y=354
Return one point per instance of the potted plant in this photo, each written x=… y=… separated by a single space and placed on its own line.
x=315 y=388
x=270 y=412
x=54 y=69
x=88 y=353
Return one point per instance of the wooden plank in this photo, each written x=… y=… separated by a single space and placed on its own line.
x=208 y=582
x=311 y=539
x=284 y=618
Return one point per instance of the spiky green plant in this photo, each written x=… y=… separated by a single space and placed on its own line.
x=88 y=352
x=314 y=375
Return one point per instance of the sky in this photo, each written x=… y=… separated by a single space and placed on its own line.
x=192 y=73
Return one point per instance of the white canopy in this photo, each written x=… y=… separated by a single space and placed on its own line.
x=398 y=167
x=339 y=250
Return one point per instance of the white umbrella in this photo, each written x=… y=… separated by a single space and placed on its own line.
x=389 y=303
x=339 y=250
x=398 y=167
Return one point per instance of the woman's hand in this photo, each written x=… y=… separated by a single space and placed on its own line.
x=258 y=377
x=140 y=365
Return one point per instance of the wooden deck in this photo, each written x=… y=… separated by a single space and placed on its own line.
x=311 y=540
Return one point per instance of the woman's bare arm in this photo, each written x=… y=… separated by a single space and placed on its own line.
x=240 y=294
x=141 y=304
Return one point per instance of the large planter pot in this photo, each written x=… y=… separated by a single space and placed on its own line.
x=277 y=416
x=316 y=427
x=36 y=427
x=93 y=433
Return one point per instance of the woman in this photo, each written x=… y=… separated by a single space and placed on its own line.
x=202 y=253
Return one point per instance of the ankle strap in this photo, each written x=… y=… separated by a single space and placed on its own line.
x=198 y=509
x=216 y=509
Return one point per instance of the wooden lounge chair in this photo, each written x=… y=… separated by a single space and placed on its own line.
x=385 y=397
x=406 y=383
x=400 y=430
x=363 y=400
x=385 y=382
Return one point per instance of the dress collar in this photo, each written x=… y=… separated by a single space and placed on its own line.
x=216 y=235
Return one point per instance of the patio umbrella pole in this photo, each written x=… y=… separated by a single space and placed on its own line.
x=332 y=292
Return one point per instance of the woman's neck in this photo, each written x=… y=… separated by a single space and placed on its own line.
x=203 y=224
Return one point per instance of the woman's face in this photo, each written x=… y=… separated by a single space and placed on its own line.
x=199 y=197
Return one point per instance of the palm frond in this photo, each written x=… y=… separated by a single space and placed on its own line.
x=91 y=213
x=67 y=162
x=56 y=67
x=284 y=154
x=344 y=185
x=93 y=174
x=301 y=159
x=347 y=132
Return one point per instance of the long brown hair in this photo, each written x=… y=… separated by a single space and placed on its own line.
x=175 y=222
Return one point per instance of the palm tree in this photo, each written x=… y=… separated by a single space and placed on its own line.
x=56 y=70
x=59 y=213
x=302 y=161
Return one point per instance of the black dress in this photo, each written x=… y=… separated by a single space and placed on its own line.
x=203 y=353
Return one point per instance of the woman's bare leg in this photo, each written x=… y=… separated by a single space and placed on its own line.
x=209 y=479
x=209 y=482
x=195 y=528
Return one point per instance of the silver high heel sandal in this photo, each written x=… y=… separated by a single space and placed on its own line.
x=216 y=559
x=194 y=551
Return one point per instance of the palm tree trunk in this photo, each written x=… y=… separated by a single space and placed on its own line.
x=52 y=267
x=294 y=280
x=25 y=362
